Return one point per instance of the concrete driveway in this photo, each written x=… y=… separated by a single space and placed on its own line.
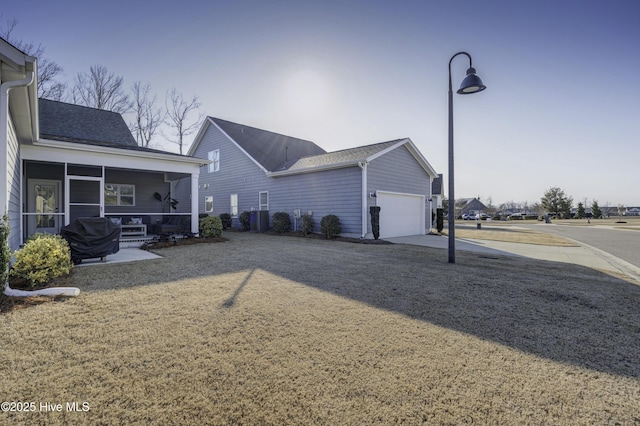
x=585 y=254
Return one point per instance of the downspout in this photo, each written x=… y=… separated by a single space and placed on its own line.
x=4 y=155
x=4 y=128
x=363 y=167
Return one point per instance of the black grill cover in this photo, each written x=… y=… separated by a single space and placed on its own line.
x=91 y=237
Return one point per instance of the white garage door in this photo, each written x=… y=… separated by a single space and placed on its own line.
x=400 y=214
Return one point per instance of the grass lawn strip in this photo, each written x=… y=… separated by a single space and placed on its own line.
x=513 y=235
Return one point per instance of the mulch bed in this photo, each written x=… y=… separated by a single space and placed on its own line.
x=322 y=237
x=189 y=241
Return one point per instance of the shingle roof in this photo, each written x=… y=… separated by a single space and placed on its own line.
x=76 y=123
x=272 y=150
x=343 y=156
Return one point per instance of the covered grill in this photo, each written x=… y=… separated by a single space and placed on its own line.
x=91 y=237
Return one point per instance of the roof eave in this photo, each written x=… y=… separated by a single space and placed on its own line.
x=414 y=151
x=74 y=146
x=244 y=151
x=199 y=135
x=341 y=165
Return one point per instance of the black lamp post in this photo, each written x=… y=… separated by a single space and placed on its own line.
x=470 y=84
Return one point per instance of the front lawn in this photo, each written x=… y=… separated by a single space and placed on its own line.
x=270 y=330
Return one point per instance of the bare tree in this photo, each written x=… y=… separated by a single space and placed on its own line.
x=178 y=112
x=100 y=89
x=48 y=71
x=148 y=117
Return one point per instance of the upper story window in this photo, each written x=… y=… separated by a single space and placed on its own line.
x=117 y=194
x=264 y=200
x=214 y=157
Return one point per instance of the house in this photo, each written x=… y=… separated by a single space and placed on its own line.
x=469 y=206
x=256 y=170
x=64 y=161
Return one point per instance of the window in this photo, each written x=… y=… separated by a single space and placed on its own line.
x=234 y=205
x=117 y=194
x=214 y=157
x=208 y=203
x=264 y=200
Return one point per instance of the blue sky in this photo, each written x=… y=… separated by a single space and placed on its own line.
x=561 y=106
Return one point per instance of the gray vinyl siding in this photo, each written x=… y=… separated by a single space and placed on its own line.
x=336 y=191
x=238 y=174
x=13 y=176
x=146 y=184
x=398 y=171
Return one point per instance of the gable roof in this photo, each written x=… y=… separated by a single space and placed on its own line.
x=350 y=155
x=271 y=150
x=280 y=155
x=76 y=123
x=354 y=156
x=61 y=121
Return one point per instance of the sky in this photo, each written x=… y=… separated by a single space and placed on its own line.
x=561 y=108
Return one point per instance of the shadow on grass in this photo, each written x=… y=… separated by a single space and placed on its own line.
x=566 y=313
x=232 y=300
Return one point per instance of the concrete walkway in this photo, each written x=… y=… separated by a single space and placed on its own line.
x=584 y=255
x=129 y=254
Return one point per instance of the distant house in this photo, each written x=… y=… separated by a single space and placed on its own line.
x=469 y=206
x=632 y=211
x=63 y=161
x=256 y=170
x=436 y=192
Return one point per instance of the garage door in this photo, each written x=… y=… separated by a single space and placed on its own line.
x=400 y=214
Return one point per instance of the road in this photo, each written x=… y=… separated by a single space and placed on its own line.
x=621 y=243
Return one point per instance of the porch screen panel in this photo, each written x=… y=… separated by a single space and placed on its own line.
x=84 y=199
x=84 y=191
x=81 y=170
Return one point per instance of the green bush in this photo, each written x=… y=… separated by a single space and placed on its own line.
x=210 y=227
x=245 y=220
x=43 y=258
x=281 y=222
x=307 y=224
x=330 y=226
x=5 y=252
x=227 y=222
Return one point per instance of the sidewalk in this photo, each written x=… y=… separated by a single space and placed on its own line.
x=583 y=255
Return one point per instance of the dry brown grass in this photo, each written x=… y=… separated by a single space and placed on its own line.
x=615 y=221
x=271 y=330
x=515 y=235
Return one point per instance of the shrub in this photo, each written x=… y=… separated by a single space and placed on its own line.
x=281 y=222
x=43 y=258
x=330 y=226
x=307 y=224
x=5 y=253
x=245 y=220
x=210 y=227
x=227 y=222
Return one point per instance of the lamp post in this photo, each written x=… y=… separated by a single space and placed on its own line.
x=470 y=84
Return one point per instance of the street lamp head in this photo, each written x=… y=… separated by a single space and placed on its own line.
x=471 y=83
